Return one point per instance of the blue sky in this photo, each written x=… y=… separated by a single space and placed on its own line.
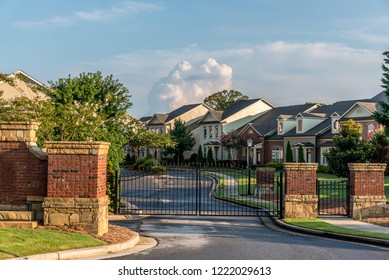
x=170 y=53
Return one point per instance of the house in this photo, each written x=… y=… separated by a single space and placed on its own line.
x=21 y=85
x=265 y=133
x=190 y=114
x=214 y=123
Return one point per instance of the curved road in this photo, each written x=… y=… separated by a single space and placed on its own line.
x=238 y=238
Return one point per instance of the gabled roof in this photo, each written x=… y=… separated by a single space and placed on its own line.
x=216 y=114
x=145 y=119
x=180 y=111
x=23 y=85
x=267 y=122
x=241 y=105
x=161 y=117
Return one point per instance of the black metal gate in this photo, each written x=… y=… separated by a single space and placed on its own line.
x=193 y=190
x=334 y=197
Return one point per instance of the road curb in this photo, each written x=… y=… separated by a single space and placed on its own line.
x=344 y=237
x=86 y=252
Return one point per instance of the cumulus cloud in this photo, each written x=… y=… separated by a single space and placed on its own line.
x=189 y=83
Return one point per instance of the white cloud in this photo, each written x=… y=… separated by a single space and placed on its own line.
x=282 y=72
x=188 y=83
x=102 y=15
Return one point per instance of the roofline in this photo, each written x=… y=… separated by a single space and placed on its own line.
x=28 y=76
x=249 y=124
x=357 y=103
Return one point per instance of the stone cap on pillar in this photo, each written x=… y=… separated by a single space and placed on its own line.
x=18 y=131
x=294 y=166
x=76 y=148
x=367 y=167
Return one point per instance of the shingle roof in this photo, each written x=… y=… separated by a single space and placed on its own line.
x=267 y=122
x=238 y=106
x=182 y=110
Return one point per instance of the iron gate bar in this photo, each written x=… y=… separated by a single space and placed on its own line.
x=334 y=197
x=189 y=190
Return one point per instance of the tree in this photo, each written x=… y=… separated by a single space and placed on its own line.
x=200 y=157
x=349 y=148
x=231 y=141
x=289 y=153
x=301 y=154
x=379 y=148
x=382 y=117
x=88 y=107
x=222 y=99
x=183 y=139
x=210 y=159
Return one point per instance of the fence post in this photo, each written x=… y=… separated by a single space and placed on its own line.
x=117 y=194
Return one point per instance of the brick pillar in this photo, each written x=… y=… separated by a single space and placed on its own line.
x=23 y=168
x=76 y=185
x=301 y=200
x=367 y=189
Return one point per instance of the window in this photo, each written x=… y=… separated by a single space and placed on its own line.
x=277 y=154
x=299 y=125
x=336 y=124
x=280 y=127
x=205 y=132
x=370 y=130
x=323 y=157
x=244 y=153
x=216 y=131
x=210 y=131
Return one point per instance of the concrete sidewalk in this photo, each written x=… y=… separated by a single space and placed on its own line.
x=354 y=224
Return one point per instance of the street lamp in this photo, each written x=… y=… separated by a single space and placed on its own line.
x=249 y=144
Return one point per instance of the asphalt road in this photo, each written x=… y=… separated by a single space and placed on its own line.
x=238 y=238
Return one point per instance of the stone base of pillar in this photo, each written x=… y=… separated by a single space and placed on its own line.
x=88 y=213
x=364 y=206
x=301 y=206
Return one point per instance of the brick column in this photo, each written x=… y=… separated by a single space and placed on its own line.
x=76 y=185
x=367 y=189
x=23 y=167
x=301 y=200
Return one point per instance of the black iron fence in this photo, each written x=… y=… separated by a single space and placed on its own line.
x=199 y=190
x=334 y=197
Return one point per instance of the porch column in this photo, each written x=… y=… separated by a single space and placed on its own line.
x=367 y=197
x=301 y=200
x=255 y=155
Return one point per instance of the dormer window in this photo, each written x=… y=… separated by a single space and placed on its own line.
x=336 y=125
x=280 y=127
x=299 y=125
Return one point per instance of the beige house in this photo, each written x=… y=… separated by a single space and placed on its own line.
x=22 y=85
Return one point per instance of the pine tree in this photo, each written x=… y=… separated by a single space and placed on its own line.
x=301 y=154
x=382 y=117
x=210 y=159
x=200 y=158
x=289 y=153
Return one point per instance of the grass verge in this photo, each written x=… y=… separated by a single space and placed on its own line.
x=323 y=226
x=24 y=242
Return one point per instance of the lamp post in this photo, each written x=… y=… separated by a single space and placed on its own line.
x=249 y=144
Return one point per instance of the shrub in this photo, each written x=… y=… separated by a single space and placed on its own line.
x=278 y=166
x=158 y=169
x=324 y=169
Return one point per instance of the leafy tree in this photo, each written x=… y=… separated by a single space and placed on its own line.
x=88 y=107
x=379 y=149
x=222 y=99
x=301 y=154
x=210 y=159
x=349 y=148
x=200 y=157
x=382 y=117
x=183 y=139
x=289 y=153
x=232 y=141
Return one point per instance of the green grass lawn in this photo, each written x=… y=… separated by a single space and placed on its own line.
x=24 y=242
x=323 y=226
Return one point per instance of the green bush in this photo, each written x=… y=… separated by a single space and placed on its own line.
x=278 y=166
x=158 y=169
x=324 y=169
